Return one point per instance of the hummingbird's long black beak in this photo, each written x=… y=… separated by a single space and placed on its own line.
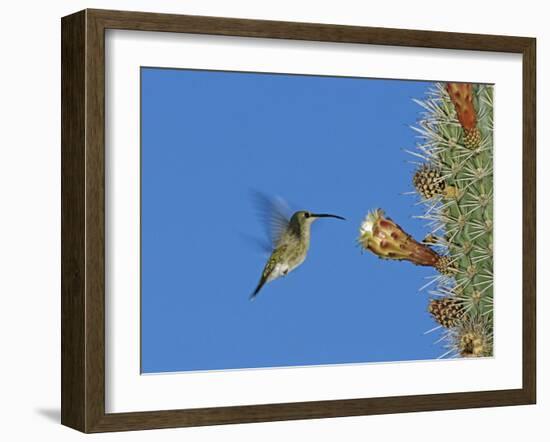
x=326 y=215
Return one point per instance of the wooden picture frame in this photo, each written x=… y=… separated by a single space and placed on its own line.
x=83 y=220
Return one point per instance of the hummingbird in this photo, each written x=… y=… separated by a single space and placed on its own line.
x=290 y=241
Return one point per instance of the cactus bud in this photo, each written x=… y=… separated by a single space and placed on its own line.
x=446 y=311
x=462 y=97
x=429 y=183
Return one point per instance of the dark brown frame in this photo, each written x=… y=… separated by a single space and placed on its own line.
x=83 y=217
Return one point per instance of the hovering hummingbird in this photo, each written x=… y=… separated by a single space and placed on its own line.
x=290 y=240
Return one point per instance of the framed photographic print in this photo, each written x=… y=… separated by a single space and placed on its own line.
x=270 y=220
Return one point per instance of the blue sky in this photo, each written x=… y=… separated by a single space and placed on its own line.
x=325 y=144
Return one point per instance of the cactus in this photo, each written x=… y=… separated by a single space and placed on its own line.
x=455 y=186
x=456 y=132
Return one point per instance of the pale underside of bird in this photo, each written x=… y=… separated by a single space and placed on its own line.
x=290 y=237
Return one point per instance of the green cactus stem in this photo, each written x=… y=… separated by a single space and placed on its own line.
x=456 y=131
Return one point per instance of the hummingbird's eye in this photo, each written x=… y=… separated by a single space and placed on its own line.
x=307 y=214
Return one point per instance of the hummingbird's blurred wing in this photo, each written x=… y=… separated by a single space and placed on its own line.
x=274 y=213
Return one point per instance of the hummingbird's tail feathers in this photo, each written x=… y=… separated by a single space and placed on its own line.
x=258 y=288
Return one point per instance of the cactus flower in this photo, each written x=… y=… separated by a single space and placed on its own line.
x=387 y=240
